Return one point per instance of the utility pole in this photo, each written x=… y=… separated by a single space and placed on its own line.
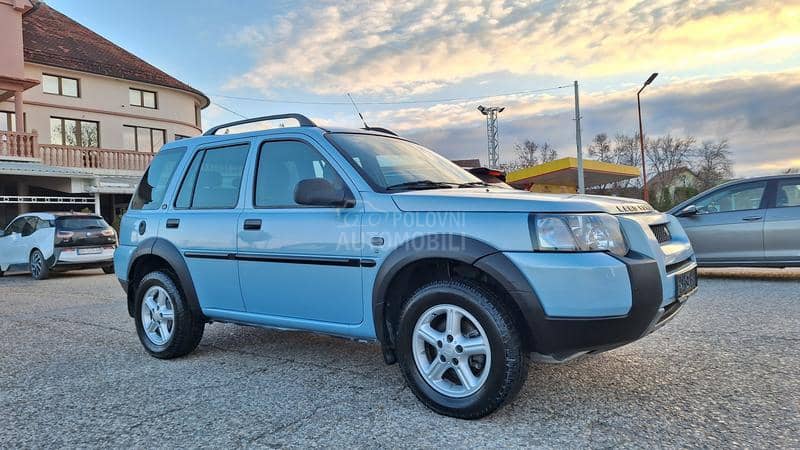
x=581 y=187
x=491 y=133
x=645 y=191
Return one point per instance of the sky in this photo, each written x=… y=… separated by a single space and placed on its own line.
x=727 y=68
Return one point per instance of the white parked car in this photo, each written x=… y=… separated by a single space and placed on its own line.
x=45 y=242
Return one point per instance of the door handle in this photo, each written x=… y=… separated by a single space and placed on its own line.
x=751 y=218
x=252 y=224
x=173 y=223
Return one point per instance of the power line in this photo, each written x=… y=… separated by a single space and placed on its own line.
x=385 y=102
x=229 y=110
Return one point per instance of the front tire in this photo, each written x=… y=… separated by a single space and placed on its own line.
x=108 y=270
x=165 y=324
x=38 y=265
x=460 y=350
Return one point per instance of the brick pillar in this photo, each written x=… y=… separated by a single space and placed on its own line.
x=19 y=112
x=23 y=189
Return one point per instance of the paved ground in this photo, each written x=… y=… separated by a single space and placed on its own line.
x=72 y=373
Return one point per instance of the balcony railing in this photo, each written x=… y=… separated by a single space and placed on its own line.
x=18 y=145
x=93 y=158
x=25 y=146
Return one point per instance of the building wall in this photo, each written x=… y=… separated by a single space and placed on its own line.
x=106 y=100
x=11 y=38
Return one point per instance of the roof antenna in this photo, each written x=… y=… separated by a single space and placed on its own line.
x=357 y=111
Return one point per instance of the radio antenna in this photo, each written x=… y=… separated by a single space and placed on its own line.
x=357 y=111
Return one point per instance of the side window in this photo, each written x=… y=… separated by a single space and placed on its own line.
x=29 y=226
x=788 y=193
x=283 y=164
x=153 y=187
x=16 y=226
x=735 y=198
x=184 y=199
x=214 y=178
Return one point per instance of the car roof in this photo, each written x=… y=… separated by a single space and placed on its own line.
x=309 y=131
x=57 y=214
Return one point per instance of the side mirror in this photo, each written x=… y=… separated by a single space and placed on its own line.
x=687 y=211
x=320 y=192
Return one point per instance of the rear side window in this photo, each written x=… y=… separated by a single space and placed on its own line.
x=80 y=223
x=153 y=187
x=214 y=178
x=788 y=193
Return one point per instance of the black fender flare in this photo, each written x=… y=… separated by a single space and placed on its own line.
x=453 y=247
x=168 y=252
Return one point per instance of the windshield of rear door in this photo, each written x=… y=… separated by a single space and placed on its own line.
x=386 y=161
x=80 y=223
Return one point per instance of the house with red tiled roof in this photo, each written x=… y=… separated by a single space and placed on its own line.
x=80 y=117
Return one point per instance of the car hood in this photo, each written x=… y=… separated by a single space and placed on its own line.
x=507 y=200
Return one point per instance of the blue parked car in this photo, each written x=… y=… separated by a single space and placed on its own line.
x=363 y=234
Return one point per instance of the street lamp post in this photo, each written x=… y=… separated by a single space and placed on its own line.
x=645 y=193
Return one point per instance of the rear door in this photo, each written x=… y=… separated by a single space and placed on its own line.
x=782 y=224
x=729 y=224
x=201 y=222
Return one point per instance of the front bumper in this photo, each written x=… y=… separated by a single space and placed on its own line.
x=590 y=302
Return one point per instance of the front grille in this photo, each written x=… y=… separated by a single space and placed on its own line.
x=661 y=231
x=678 y=265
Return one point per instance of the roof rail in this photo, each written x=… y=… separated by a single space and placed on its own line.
x=303 y=120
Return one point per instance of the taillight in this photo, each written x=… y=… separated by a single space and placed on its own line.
x=65 y=235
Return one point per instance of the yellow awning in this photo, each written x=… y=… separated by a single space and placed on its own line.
x=564 y=172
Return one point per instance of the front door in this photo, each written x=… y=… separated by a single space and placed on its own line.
x=298 y=262
x=12 y=245
x=729 y=224
x=202 y=220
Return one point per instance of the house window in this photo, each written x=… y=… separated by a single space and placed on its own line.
x=145 y=99
x=75 y=132
x=8 y=121
x=197 y=116
x=143 y=139
x=58 y=85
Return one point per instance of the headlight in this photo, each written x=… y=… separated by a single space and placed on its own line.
x=578 y=233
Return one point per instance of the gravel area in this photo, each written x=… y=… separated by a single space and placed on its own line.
x=724 y=373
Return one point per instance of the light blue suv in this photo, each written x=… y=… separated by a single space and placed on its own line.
x=363 y=234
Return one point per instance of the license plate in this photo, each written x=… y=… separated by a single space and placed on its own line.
x=90 y=251
x=685 y=283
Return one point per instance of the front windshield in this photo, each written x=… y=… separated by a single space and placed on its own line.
x=388 y=162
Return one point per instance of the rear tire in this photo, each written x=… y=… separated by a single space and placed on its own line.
x=108 y=270
x=165 y=324
x=37 y=265
x=429 y=341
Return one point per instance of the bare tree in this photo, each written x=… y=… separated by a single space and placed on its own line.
x=529 y=153
x=668 y=153
x=600 y=149
x=712 y=164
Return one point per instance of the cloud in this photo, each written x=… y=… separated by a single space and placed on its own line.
x=418 y=46
x=759 y=115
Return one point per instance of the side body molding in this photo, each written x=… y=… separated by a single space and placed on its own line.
x=168 y=252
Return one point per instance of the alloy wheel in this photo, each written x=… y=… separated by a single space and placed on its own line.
x=158 y=315
x=451 y=350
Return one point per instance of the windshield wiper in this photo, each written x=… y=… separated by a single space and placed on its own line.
x=421 y=184
x=474 y=183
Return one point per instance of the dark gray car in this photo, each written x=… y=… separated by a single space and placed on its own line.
x=753 y=222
